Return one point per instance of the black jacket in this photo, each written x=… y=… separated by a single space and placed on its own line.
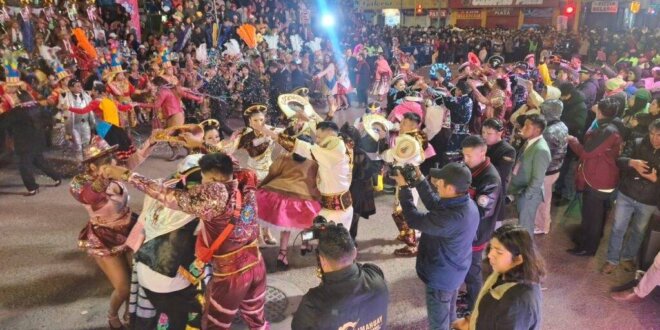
x=502 y=155
x=26 y=126
x=589 y=89
x=448 y=229
x=518 y=308
x=350 y=298
x=486 y=190
x=631 y=183
x=574 y=114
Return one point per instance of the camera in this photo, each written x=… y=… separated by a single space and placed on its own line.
x=318 y=225
x=408 y=172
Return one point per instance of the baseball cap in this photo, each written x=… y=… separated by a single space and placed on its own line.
x=455 y=174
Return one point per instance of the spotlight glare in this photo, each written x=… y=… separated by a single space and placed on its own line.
x=327 y=20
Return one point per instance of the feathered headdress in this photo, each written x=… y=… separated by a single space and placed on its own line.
x=84 y=43
x=13 y=75
x=232 y=48
x=61 y=73
x=315 y=44
x=296 y=43
x=165 y=58
x=272 y=41
x=248 y=34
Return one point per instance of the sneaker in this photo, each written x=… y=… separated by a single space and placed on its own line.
x=608 y=268
x=539 y=232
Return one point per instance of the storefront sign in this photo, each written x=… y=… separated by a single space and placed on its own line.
x=486 y=3
x=438 y=13
x=604 y=7
x=538 y=12
x=468 y=14
x=400 y=4
x=502 y=12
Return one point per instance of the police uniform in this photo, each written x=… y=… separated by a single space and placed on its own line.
x=486 y=191
x=502 y=155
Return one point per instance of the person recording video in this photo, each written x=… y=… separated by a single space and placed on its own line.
x=351 y=295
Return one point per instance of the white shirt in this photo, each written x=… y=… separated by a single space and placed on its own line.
x=531 y=141
x=334 y=174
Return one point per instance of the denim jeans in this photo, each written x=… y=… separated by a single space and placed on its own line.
x=633 y=214
x=440 y=308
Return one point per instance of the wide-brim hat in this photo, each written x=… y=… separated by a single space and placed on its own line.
x=302 y=91
x=495 y=61
x=368 y=122
x=396 y=79
x=262 y=108
x=406 y=149
x=373 y=107
x=287 y=102
x=96 y=149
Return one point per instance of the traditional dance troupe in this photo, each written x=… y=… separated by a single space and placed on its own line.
x=466 y=139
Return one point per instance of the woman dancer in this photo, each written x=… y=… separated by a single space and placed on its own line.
x=288 y=198
x=110 y=221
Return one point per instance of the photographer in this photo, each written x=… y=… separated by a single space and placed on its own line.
x=351 y=295
x=448 y=229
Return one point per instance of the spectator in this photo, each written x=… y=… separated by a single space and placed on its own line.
x=529 y=172
x=555 y=135
x=597 y=175
x=486 y=191
x=501 y=154
x=448 y=229
x=350 y=293
x=511 y=296
x=637 y=199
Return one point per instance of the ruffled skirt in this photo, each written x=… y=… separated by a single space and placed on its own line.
x=103 y=241
x=285 y=212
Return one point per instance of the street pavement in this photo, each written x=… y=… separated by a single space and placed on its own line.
x=47 y=283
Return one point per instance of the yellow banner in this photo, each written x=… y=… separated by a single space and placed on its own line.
x=400 y=4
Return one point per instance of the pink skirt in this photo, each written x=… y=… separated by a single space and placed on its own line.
x=285 y=212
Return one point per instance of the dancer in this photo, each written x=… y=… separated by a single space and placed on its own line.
x=78 y=126
x=20 y=116
x=288 y=198
x=335 y=166
x=225 y=202
x=110 y=221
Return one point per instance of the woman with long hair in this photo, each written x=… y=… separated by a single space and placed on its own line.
x=110 y=221
x=511 y=296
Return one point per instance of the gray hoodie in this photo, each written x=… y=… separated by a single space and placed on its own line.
x=555 y=134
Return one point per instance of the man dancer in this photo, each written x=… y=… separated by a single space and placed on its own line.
x=225 y=198
x=78 y=126
x=335 y=168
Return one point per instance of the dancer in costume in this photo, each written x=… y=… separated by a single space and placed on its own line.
x=110 y=221
x=121 y=90
x=164 y=293
x=335 y=166
x=78 y=126
x=259 y=148
x=20 y=115
x=225 y=202
x=408 y=148
x=382 y=78
x=288 y=198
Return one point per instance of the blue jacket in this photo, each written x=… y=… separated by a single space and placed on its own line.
x=448 y=229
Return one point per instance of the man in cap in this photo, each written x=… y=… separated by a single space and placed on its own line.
x=588 y=86
x=448 y=230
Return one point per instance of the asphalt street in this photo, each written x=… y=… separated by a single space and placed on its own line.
x=47 y=283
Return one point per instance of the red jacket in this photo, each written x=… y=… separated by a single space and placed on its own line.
x=598 y=156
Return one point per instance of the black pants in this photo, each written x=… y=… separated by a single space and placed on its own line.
x=595 y=205
x=177 y=305
x=474 y=279
x=354 y=225
x=362 y=95
x=26 y=164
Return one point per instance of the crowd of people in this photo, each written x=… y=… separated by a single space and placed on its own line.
x=466 y=120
